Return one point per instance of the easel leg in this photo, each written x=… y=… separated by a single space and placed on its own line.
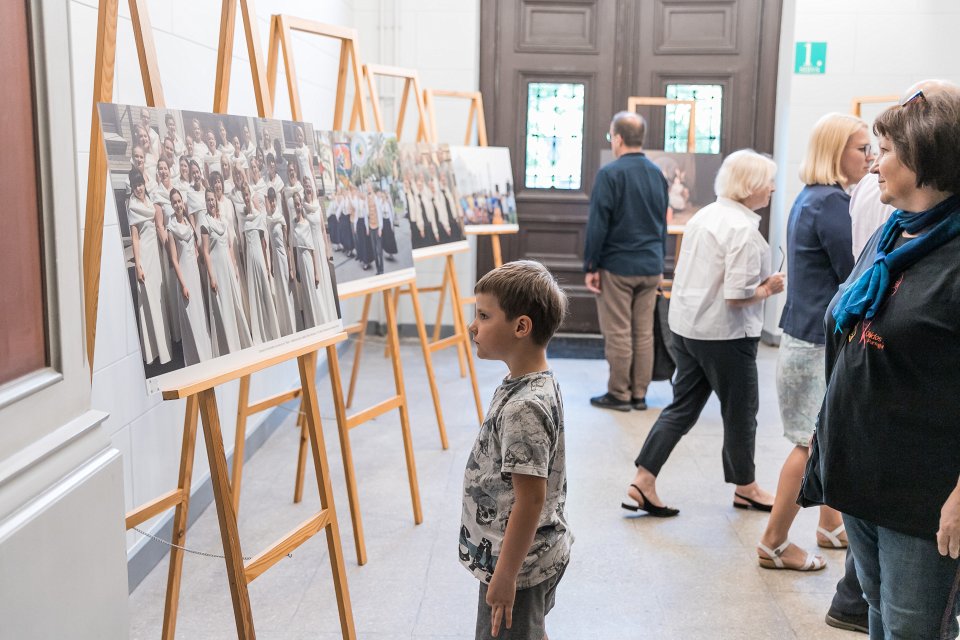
x=396 y=305
x=240 y=439
x=359 y=348
x=180 y=520
x=462 y=326
x=343 y=429
x=308 y=369
x=497 y=256
x=301 y=456
x=440 y=301
x=213 y=439
x=462 y=347
x=428 y=361
x=404 y=415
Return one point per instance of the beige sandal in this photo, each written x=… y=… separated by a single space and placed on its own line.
x=810 y=563
x=833 y=537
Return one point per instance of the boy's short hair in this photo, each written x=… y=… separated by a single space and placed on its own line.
x=527 y=288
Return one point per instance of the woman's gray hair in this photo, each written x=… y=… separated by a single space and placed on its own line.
x=742 y=173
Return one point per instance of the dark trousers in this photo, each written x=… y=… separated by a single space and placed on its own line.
x=727 y=368
x=377 y=250
x=849 y=596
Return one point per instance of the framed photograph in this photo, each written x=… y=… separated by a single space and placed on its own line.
x=689 y=177
x=484 y=178
x=362 y=200
x=225 y=241
x=431 y=197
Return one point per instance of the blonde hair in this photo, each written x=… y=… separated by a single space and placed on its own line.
x=821 y=165
x=527 y=288
x=742 y=173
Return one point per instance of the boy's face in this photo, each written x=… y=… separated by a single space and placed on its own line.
x=494 y=335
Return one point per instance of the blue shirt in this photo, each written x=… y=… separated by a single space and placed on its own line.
x=627 y=227
x=819 y=258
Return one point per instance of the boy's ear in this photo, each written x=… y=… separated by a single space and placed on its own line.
x=523 y=326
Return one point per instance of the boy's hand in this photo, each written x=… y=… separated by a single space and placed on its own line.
x=500 y=595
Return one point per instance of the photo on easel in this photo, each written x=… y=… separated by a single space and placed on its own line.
x=689 y=176
x=430 y=194
x=224 y=239
x=484 y=178
x=362 y=199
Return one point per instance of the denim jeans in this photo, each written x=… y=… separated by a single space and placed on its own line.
x=906 y=582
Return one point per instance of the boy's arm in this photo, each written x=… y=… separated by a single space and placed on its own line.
x=531 y=493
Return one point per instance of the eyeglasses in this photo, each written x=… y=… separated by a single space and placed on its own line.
x=916 y=97
x=783 y=258
x=867 y=150
x=608 y=136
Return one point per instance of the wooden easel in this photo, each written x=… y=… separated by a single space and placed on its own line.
x=199 y=393
x=856 y=105
x=637 y=101
x=475 y=115
x=460 y=339
x=411 y=84
x=281 y=26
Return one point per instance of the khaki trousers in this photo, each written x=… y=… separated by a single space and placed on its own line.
x=625 y=306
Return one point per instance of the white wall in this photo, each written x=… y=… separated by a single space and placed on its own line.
x=441 y=40
x=874 y=47
x=146 y=430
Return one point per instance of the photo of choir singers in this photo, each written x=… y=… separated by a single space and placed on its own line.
x=224 y=238
x=360 y=194
x=485 y=179
x=431 y=198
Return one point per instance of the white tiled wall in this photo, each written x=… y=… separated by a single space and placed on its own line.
x=874 y=47
x=146 y=430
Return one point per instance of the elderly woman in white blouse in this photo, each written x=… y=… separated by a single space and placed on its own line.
x=722 y=277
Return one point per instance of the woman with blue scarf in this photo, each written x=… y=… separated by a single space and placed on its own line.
x=886 y=452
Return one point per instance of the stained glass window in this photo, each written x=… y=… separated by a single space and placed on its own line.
x=709 y=98
x=554 y=135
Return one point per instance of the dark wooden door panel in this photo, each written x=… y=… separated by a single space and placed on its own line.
x=615 y=49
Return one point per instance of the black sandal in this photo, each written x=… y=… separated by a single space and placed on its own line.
x=759 y=506
x=653 y=510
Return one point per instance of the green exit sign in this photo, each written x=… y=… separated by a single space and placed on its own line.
x=810 y=58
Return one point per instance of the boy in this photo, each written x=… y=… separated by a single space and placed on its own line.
x=514 y=536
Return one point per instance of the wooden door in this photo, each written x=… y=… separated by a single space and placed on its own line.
x=542 y=60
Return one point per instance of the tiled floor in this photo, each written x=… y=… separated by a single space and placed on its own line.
x=694 y=576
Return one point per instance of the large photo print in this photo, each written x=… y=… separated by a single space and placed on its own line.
x=430 y=194
x=362 y=200
x=224 y=239
x=484 y=179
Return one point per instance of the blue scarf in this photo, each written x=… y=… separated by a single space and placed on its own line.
x=866 y=294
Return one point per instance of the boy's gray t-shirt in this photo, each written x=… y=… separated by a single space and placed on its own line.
x=522 y=433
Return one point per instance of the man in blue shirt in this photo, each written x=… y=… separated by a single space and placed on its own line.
x=623 y=260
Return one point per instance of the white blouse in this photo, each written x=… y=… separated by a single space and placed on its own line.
x=723 y=257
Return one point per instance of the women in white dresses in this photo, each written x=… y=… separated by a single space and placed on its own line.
x=314 y=215
x=264 y=326
x=143 y=217
x=151 y=154
x=257 y=183
x=182 y=247
x=161 y=198
x=223 y=141
x=309 y=283
x=294 y=187
x=249 y=148
x=229 y=331
x=196 y=202
x=228 y=212
x=304 y=157
x=211 y=157
x=238 y=159
x=281 y=267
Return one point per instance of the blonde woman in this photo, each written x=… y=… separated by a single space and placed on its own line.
x=144 y=217
x=723 y=275
x=819 y=258
x=182 y=247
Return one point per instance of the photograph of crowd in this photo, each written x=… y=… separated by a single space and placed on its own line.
x=430 y=196
x=361 y=197
x=224 y=239
x=484 y=178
